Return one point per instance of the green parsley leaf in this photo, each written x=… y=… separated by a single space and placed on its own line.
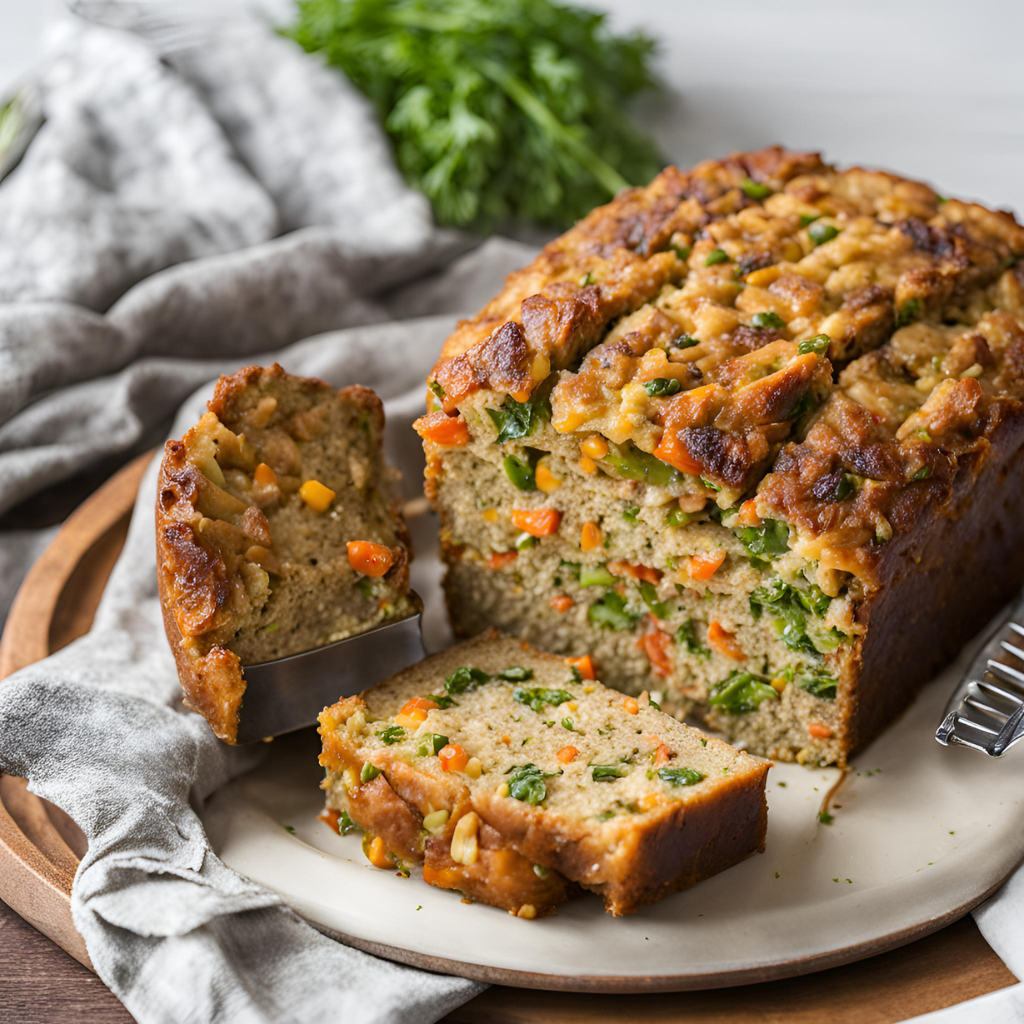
x=635 y=464
x=662 y=386
x=680 y=776
x=526 y=783
x=516 y=674
x=686 y=637
x=520 y=473
x=518 y=419
x=818 y=344
x=369 y=772
x=630 y=514
x=740 y=692
x=608 y=772
x=808 y=218
x=909 y=312
x=465 y=680
x=346 y=824
x=436 y=388
x=442 y=700
x=923 y=473
x=682 y=251
x=798 y=612
x=686 y=341
x=716 y=256
x=768 y=540
x=612 y=612
x=754 y=189
x=499 y=110
x=767 y=319
x=822 y=233
x=568 y=723
x=649 y=593
x=537 y=697
x=432 y=744
x=392 y=734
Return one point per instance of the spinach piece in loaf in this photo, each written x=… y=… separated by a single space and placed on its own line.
x=526 y=783
x=680 y=776
x=537 y=698
x=740 y=692
x=612 y=612
x=518 y=419
x=798 y=612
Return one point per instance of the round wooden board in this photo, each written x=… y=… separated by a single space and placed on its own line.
x=40 y=846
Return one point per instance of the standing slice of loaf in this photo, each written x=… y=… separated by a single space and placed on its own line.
x=491 y=758
x=276 y=532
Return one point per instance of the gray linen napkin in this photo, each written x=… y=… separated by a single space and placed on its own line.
x=140 y=256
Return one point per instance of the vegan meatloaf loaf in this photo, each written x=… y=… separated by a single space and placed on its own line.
x=276 y=532
x=750 y=436
x=516 y=778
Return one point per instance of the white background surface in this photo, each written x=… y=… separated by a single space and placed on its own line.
x=932 y=89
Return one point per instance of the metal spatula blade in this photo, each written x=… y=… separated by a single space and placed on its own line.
x=288 y=693
x=986 y=712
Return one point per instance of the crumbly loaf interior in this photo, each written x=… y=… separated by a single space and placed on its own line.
x=257 y=505
x=766 y=364
x=548 y=754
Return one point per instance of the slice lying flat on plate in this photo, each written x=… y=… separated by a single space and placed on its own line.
x=515 y=777
x=276 y=532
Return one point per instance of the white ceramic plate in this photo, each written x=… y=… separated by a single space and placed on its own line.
x=921 y=833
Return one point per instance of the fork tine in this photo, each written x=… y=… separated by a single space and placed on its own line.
x=1017 y=627
x=985 y=709
x=1015 y=651
x=1013 y=697
x=1004 y=671
x=963 y=720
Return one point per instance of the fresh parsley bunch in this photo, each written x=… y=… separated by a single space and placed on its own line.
x=498 y=109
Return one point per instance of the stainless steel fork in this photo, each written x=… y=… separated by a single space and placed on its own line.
x=987 y=710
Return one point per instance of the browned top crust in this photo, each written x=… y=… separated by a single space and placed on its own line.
x=767 y=298
x=248 y=569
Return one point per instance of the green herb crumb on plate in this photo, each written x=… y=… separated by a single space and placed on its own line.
x=497 y=109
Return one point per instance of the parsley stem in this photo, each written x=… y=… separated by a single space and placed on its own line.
x=541 y=115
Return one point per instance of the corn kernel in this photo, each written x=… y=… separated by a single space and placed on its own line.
x=595 y=446
x=764 y=276
x=474 y=769
x=490 y=515
x=503 y=789
x=631 y=705
x=349 y=777
x=376 y=851
x=588 y=465
x=316 y=495
x=264 y=475
x=591 y=537
x=464 y=848
x=356 y=723
x=546 y=480
x=435 y=823
x=527 y=911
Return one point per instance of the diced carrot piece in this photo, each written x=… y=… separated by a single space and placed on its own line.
x=442 y=429
x=671 y=449
x=662 y=755
x=819 y=730
x=584 y=665
x=657 y=645
x=748 y=514
x=566 y=754
x=330 y=817
x=537 y=522
x=703 y=567
x=631 y=705
x=453 y=758
x=649 y=801
x=316 y=495
x=561 y=602
x=591 y=537
x=499 y=559
x=368 y=558
x=725 y=642
x=637 y=572
x=414 y=712
x=594 y=447
x=264 y=475
x=377 y=852
x=506 y=740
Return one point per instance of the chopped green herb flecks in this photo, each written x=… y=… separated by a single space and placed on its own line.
x=608 y=772
x=346 y=824
x=431 y=744
x=465 y=680
x=791 y=607
x=526 y=783
x=525 y=541
x=682 y=251
x=516 y=674
x=596 y=576
x=686 y=637
x=392 y=734
x=755 y=189
x=290 y=829
x=761 y=541
x=364 y=586
x=677 y=517
x=442 y=700
x=612 y=612
x=686 y=341
x=818 y=344
x=809 y=218
x=518 y=419
x=740 y=692
x=369 y=772
x=768 y=319
x=630 y=514
x=662 y=386
x=520 y=473
x=680 y=776
x=635 y=464
x=436 y=388
x=909 y=312
x=825 y=818
x=659 y=609
x=822 y=233
x=716 y=256
x=817 y=681
x=538 y=698
x=568 y=723
x=923 y=473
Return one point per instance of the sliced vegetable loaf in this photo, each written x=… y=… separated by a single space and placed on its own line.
x=276 y=532
x=740 y=434
x=514 y=775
